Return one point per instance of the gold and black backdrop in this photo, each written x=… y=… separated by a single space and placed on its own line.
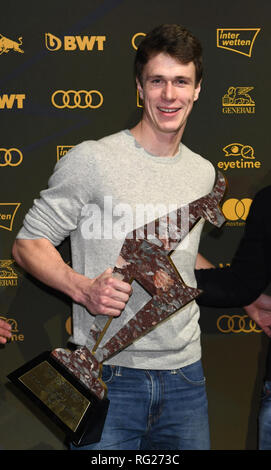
x=50 y=51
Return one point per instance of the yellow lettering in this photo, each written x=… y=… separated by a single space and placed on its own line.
x=69 y=43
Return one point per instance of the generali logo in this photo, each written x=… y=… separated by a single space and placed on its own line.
x=72 y=43
x=237 y=100
x=8 y=277
x=240 y=40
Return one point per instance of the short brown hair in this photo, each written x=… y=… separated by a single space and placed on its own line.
x=172 y=39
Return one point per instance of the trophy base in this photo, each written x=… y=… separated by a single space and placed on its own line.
x=68 y=402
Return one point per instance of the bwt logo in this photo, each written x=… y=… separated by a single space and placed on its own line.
x=72 y=43
x=10 y=101
x=77 y=99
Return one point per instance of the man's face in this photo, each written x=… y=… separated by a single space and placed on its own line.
x=169 y=91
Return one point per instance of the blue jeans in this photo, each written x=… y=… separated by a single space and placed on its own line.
x=155 y=410
x=265 y=418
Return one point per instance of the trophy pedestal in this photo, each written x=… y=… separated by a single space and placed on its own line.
x=68 y=402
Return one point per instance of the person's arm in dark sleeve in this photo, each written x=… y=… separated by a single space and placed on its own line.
x=249 y=273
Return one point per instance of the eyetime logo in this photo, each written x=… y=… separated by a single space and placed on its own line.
x=246 y=157
x=61 y=150
x=236 y=211
x=7 y=45
x=237 y=100
x=240 y=40
x=7 y=214
x=73 y=43
x=16 y=335
x=72 y=99
x=237 y=324
x=12 y=101
x=10 y=157
x=8 y=277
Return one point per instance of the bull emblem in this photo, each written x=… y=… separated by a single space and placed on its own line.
x=7 y=45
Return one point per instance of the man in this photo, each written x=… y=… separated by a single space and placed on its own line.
x=241 y=283
x=156 y=385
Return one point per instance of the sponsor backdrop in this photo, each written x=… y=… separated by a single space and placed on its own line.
x=66 y=76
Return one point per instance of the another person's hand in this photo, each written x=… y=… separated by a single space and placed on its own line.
x=260 y=312
x=5 y=331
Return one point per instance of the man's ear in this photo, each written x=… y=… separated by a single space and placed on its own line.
x=139 y=89
x=197 y=91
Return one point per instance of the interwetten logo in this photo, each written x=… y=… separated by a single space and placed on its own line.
x=8 y=277
x=77 y=99
x=7 y=214
x=16 y=335
x=238 y=101
x=61 y=150
x=237 y=324
x=240 y=40
x=236 y=210
x=246 y=160
x=8 y=101
x=73 y=43
x=10 y=157
x=7 y=45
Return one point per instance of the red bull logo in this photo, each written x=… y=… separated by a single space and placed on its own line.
x=7 y=45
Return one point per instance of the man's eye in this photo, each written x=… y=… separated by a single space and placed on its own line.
x=180 y=81
x=156 y=81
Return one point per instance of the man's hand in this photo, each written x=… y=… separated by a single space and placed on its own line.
x=107 y=295
x=260 y=312
x=5 y=331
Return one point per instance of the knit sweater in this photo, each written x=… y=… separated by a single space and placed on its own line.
x=96 y=195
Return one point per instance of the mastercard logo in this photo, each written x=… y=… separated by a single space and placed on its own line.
x=235 y=209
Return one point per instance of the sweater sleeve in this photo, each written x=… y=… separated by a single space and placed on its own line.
x=54 y=215
x=249 y=273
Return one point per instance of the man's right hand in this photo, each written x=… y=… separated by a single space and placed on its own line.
x=107 y=295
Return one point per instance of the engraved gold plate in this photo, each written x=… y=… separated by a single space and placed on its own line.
x=57 y=394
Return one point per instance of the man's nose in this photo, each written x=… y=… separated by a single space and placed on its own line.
x=168 y=91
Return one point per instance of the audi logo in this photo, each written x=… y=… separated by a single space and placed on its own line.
x=10 y=157
x=77 y=99
x=237 y=324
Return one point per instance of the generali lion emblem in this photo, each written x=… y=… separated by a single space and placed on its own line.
x=7 y=45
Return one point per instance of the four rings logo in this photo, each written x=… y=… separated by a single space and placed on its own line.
x=77 y=99
x=10 y=157
x=237 y=324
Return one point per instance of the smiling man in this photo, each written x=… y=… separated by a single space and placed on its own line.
x=156 y=386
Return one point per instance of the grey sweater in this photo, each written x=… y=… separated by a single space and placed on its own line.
x=99 y=191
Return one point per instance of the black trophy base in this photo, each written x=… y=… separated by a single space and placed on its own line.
x=69 y=403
